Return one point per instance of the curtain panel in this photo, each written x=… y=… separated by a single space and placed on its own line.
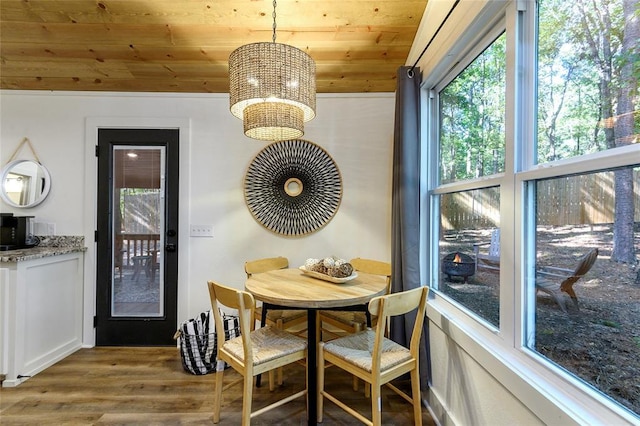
x=405 y=215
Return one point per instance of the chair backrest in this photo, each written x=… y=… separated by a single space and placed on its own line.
x=263 y=265
x=376 y=267
x=370 y=266
x=494 y=245
x=584 y=265
x=234 y=299
x=395 y=304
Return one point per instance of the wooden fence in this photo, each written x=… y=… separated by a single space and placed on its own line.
x=572 y=200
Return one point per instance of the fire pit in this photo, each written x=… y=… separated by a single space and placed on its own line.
x=458 y=265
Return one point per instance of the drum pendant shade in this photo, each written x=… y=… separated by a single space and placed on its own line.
x=272 y=88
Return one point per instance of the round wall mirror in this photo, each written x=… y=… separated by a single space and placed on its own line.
x=25 y=183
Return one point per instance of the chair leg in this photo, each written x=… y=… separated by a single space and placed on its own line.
x=246 y=399
x=271 y=381
x=217 y=396
x=320 y=381
x=356 y=329
x=376 y=405
x=415 y=394
x=280 y=325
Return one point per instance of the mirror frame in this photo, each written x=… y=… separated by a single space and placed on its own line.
x=43 y=195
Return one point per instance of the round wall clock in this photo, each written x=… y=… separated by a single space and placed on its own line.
x=293 y=187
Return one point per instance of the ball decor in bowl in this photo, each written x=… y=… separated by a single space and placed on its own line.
x=331 y=269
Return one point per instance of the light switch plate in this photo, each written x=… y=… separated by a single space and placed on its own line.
x=201 y=231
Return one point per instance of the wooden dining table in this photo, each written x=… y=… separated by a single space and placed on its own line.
x=292 y=288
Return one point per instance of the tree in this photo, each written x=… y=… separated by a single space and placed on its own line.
x=623 y=248
x=612 y=47
x=588 y=70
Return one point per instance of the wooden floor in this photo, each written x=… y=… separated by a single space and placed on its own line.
x=143 y=386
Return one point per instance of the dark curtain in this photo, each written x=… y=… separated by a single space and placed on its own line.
x=405 y=215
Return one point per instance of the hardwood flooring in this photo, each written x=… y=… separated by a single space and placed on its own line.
x=148 y=386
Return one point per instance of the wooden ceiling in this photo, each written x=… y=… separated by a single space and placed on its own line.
x=184 y=45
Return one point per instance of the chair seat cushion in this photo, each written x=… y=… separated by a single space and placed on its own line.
x=268 y=343
x=356 y=349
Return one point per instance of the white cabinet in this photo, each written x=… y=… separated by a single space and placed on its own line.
x=41 y=310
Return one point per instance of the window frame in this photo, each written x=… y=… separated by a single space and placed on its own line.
x=508 y=344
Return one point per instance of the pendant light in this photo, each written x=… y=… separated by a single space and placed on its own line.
x=272 y=88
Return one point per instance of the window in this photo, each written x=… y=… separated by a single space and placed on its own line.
x=590 y=328
x=471 y=146
x=587 y=78
x=534 y=147
x=472 y=118
x=586 y=222
x=468 y=220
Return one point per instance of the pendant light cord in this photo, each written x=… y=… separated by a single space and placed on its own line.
x=274 y=21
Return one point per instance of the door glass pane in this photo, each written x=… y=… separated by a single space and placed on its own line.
x=138 y=218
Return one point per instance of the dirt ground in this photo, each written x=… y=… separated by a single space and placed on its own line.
x=598 y=341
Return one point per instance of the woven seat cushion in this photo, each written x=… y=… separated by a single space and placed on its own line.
x=347 y=317
x=356 y=349
x=268 y=343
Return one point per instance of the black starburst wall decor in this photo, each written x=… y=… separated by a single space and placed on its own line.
x=293 y=187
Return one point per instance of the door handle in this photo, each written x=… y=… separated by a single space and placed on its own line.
x=170 y=247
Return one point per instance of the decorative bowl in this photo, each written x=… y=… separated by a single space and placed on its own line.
x=326 y=277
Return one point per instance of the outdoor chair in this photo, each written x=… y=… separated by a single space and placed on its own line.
x=253 y=352
x=374 y=358
x=547 y=279
x=491 y=258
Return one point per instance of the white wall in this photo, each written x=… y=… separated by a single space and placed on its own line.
x=356 y=130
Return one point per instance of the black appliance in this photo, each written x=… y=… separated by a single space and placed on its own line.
x=16 y=232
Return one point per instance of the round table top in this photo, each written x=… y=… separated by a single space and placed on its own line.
x=292 y=288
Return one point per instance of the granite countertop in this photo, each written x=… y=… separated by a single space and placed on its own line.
x=49 y=246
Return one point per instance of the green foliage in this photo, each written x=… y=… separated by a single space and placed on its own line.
x=472 y=118
x=580 y=87
x=580 y=59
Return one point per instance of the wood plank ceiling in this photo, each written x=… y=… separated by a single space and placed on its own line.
x=184 y=45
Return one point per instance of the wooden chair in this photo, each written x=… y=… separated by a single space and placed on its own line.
x=354 y=321
x=376 y=359
x=547 y=279
x=281 y=318
x=253 y=352
x=491 y=259
x=284 y=319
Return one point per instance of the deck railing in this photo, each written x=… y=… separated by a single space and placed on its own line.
x=138 y=245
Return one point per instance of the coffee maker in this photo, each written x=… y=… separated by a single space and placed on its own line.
x=16 y=232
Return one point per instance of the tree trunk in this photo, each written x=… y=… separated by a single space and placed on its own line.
x=623 y=248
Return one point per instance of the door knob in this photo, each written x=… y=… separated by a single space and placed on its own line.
x=170 y=247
